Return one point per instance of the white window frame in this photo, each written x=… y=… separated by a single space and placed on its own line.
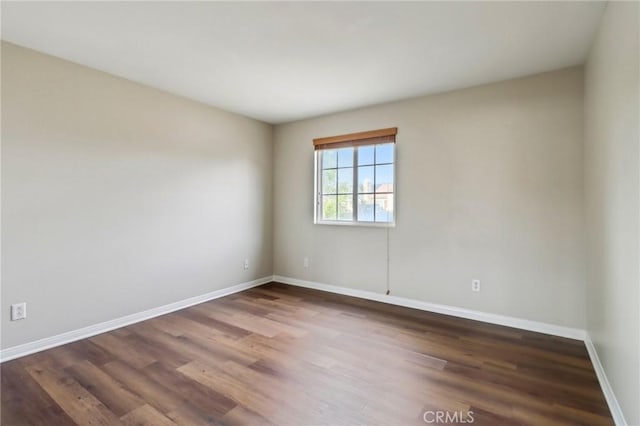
x=317 y=208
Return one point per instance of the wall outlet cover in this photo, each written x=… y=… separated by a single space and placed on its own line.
x=18 y=311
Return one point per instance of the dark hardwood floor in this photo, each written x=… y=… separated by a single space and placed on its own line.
x=283 y=355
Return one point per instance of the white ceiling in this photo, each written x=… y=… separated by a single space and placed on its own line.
x=283 y=61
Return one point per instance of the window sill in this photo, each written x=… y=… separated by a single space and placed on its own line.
x=359 y=224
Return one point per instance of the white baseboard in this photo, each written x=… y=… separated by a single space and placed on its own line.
x=92 y=330
x=523 y=324
x=614 y=407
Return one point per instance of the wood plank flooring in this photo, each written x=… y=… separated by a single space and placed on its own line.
x=283 y=355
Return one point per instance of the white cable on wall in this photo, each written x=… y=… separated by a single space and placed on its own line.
x=388 y=283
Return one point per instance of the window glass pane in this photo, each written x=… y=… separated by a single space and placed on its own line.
x=345 y=207
x=345 y=157
x=329 y=181
x=329 y=158
x=365 y=207
x=345 y=181
x=384 y=207
x=384 y=153
x=374 y=184
x=329 y=208
x=384 y=178
x=365 y=155
x=365 y=179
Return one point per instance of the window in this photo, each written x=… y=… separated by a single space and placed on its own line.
x=355 y=178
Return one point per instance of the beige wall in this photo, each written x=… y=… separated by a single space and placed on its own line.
x=489 y=186
x=612 y=183
x=118 y=198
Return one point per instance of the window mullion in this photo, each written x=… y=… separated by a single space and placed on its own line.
x=355 y=185
x=375 y=159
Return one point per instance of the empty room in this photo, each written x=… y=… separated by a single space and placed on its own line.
x=320 y=213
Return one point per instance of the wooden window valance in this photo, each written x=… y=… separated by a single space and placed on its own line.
x=370 y=137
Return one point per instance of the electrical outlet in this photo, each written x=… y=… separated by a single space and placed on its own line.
x=18 y=311
x=475 y=285
x=246 y=264
x=306 y=262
